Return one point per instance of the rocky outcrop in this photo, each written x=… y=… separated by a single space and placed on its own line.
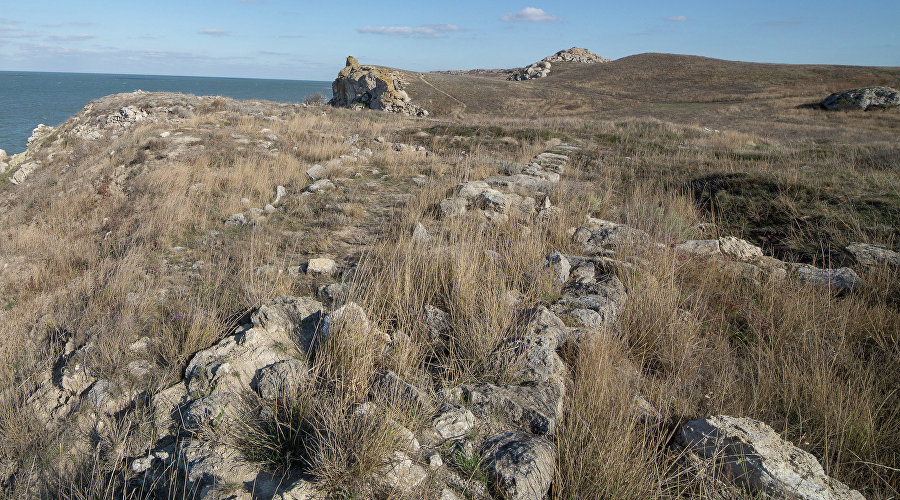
x=863 y=98
x=541 y=68
x=749 y=455
x=25 y=170
x=869 y=255
x=503 y=427
x=748 y=260
x=39 y=133
x=522 y=466
x=372 y=87
x=516 y=194
x=576 y=54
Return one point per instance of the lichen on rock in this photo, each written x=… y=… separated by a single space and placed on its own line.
x=372 y=87
x=864 y=99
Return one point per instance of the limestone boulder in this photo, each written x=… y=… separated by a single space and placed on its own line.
x=537 y=409
x=840 y=280
x=862 y=99
x=873 y=255
x=753 y=457
x=372 y=87
x=521 y=465
x=739 y=249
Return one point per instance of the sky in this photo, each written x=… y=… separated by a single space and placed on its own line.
x=310 y=40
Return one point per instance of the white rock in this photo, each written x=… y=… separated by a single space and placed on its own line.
x=23 y=172
x=420 y=234
x=320 y=186
x=840 y=280
x=739 y=249
x=753 y=456
x=321 y=266
x=141 y=465
x=471 y=189
x=316 y=172
x=873 y=255
x=454 y=423
x=699 y=247
x=280 y=192
x=300 y=490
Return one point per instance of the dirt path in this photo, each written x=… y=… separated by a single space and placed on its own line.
x=426 y=82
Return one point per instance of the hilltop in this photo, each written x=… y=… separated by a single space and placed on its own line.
x=594 y=284
x=751 y=97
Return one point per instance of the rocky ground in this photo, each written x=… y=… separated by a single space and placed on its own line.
x=219 y=299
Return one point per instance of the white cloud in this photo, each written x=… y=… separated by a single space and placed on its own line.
x=78 y=37
x=7 y=32
x=68 y=23
x=677 y=19
x=423 y=31
x=214 y=32
x=530 y=15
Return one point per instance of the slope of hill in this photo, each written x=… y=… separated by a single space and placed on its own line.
x=751 y=97
x=220 y=299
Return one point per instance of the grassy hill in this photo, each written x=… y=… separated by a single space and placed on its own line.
x=210 y=298
x=686 y=89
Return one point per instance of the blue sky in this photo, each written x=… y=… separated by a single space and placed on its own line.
x=309 y=40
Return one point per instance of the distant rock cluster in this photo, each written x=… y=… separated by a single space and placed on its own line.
x=863 y=98
x=576 y=54
x=541 y=68
x=372 y=87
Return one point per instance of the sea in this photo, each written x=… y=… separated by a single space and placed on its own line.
x=30 y=98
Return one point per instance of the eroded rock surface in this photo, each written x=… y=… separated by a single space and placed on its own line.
x=863 y=98
x=752 y=456
x=522 y=466
x=542 y=68
x=869 y=255
x=576 y=54
x=372 y=87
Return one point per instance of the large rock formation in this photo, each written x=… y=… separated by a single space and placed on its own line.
x=576 y=54
x=541 y=68
x=863 y=98
x=372 y=87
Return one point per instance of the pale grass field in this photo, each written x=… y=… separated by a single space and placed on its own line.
x=822 y=370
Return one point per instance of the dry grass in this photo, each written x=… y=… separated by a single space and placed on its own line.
x=100 y=261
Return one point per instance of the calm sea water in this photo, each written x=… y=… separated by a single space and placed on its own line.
x=27 y=98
